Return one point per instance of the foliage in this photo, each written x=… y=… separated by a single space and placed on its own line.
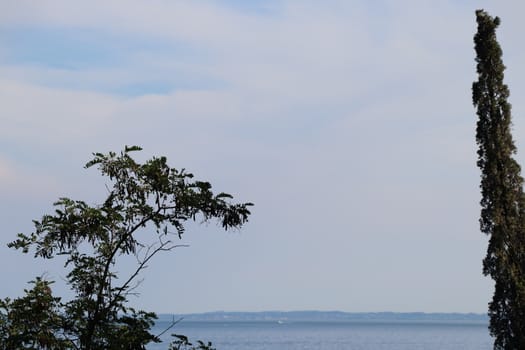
x=33 y=321
x=503 y=201
x=182 y=342
x=92 y=238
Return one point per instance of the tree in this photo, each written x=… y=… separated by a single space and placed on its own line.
x=503 y=200
x=92 y=239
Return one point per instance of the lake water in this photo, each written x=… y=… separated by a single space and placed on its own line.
x=324 y=335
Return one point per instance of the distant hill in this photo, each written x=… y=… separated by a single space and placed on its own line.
x=328 y=316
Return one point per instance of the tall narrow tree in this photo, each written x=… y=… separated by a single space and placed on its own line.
x=503 y=201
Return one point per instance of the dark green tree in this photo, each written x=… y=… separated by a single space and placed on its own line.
x=144 y=200
x=503 y=201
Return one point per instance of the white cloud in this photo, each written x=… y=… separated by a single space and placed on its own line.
x=199 y=21
x=7 y=174
x=22 y=181
x=51 y=116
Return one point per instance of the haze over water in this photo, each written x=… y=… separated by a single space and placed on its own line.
x=358 y=335
x=316 y=330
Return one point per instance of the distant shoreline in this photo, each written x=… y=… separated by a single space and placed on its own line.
x=328 y=316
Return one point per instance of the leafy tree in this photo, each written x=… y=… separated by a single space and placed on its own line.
x=182 y=342
x=92 y=239
x=503 y=201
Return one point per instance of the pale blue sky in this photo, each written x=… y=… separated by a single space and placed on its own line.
x=348 y=123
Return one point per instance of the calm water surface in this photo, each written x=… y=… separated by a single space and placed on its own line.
x=358 y=335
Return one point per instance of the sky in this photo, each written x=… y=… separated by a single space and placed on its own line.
x=349 y=124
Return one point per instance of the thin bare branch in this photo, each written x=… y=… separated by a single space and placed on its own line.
x=172 y=324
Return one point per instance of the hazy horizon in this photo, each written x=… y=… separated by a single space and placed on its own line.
x=348 y=313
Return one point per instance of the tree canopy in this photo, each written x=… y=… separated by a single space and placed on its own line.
x=150 y=197
x=503 y=201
